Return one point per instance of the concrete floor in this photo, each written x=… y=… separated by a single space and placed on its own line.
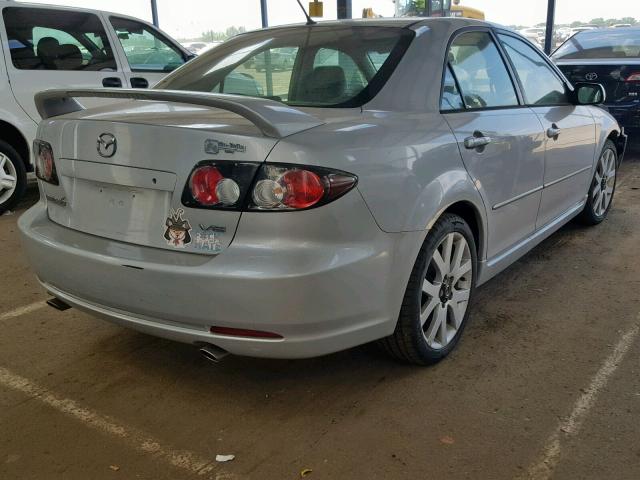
x=544 y=384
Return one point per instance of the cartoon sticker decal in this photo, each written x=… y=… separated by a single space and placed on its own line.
x=177 y=229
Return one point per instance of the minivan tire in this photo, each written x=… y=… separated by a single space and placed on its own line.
x=13 y=165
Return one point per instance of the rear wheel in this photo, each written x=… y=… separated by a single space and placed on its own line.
x=13 y=177
x=435 y=306
x=602 y=187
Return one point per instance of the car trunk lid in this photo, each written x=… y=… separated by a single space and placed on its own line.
x=134 y=195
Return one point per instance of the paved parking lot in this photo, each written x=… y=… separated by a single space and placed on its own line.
x=545 y=384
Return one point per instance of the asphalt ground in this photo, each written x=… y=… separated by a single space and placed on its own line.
x=544 y=384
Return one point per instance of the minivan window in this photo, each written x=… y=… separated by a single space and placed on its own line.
x=320 y=66
x=540 y=85
x=49 y=39
x=146 y=49
x=480 y=71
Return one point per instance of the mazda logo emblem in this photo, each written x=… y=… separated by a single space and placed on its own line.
x=591 y=76
x=107 y=145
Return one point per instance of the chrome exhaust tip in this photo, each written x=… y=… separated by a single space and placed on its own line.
x=213 y=353
x=58 y=304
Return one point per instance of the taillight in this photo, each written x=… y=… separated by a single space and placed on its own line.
x=634 y=77
x=209 y=187
x=45 y=166
x=263 y=187
x=293 y=187
x=219 y=185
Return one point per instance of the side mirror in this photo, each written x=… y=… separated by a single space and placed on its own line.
x=589 y=94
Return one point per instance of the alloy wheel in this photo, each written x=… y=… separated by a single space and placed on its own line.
x=446 y=289
x=8 y=178
x=604 y=182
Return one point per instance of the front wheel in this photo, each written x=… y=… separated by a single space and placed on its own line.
x=435 y=306
x=602 y=186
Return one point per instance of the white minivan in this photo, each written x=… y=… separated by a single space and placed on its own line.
x=47 y=47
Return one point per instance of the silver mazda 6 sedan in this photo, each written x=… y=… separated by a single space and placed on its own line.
x=360 y=194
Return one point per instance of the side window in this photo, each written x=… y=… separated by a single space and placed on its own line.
x=540 y=85
x=47 y=39
x=481 y=73
x=147 y=50
x=451 y=99
x=267 y=73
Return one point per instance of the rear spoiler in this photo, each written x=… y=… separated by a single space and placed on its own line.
x=274 y=119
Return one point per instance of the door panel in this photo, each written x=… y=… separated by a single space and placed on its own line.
x=52 y=48
x=502 y=143
x=569 y=130
x=568 y=159
x=149 y=54
x=508 y=171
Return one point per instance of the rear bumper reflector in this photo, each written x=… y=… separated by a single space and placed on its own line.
x=243 y=332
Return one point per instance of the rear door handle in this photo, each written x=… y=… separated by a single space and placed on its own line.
x=139 y=82
x=477 y=140
x=112 y=82
x=553 y=131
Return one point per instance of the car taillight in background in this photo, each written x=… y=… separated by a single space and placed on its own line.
x=276 y=187
x=45 y=166
x=634 y=77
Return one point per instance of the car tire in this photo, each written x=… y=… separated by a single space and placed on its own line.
x=440 y=287
x=13 y=177
x=602 y=186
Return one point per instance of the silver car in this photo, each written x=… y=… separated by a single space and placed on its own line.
x=364 y=195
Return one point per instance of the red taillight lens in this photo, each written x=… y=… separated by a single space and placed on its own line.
x=220 y=185
x=302 y=188
x=204 y=181
x=290 y=187
x=45 y=166
x=243 y=332
x=634 y=77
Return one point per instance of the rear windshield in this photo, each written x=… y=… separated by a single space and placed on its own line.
x=601 y=44
x=321 y=66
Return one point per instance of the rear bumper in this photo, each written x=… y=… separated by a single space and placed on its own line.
x=321 y=297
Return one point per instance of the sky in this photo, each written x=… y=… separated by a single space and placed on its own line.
x=189 y=18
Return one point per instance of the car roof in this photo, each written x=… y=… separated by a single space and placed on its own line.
x=400 y=22
x=600 y=31
x=11 y=3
